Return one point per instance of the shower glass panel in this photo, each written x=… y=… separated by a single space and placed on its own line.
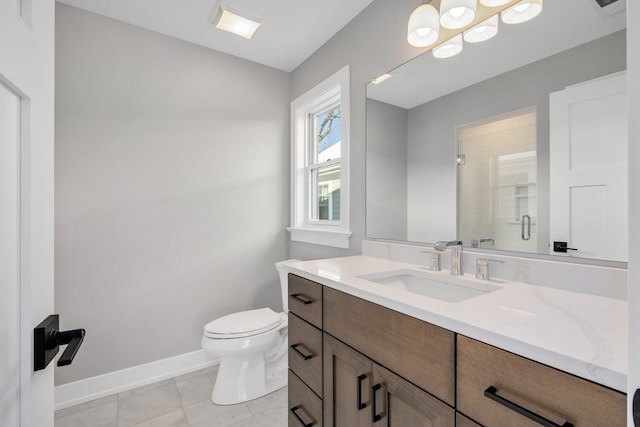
x=497 y=166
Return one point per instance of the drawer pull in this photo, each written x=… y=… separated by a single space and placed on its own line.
x=294 y=347
x=361 y=405
x=294 y=411
x=374 y=415
x=491 y=393
x=301 y=298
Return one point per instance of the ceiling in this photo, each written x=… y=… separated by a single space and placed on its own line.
x=563 y=24
x=291 y=30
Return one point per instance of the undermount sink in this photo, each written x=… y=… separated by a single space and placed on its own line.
x=432 y=285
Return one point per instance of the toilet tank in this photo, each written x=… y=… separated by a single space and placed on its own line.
x=284 y=282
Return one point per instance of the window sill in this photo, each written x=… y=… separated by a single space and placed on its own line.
x=333 y=238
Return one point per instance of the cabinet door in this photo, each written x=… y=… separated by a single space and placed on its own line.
x=347 y=382
x=398 y=403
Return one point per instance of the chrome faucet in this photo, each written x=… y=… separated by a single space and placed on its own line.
x=456 y=254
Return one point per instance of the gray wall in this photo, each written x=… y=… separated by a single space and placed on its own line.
x=386 y=171
x=372 y=43
x=172 y=172
x=432 y=126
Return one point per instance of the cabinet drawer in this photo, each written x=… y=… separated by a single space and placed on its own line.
x=305 y=408
x=305 y=352
x=547 y=392
x=305 y=299
x=418 y=351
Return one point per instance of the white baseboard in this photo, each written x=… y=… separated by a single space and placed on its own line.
x=114 y=382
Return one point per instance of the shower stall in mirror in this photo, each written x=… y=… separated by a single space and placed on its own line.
x=497 y=182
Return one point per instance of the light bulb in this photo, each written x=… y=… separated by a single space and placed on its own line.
x=483 y=31
x=457 y=13
x=522 y=11
x=449 y=48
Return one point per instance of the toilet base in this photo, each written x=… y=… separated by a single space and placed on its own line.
x=251 y=377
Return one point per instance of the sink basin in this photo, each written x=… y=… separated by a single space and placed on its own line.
x=432 y=285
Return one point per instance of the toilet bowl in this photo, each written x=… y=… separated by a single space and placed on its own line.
x=252 y=348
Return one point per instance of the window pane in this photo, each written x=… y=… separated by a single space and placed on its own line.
x=327 y=125
x=327 y=202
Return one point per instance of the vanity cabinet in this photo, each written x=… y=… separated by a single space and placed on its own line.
x=359 y=364
x=418 y=351
x=491 y=380
x=305 y=352
x=358 y=392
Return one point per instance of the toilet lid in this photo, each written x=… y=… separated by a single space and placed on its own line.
x=243 y=324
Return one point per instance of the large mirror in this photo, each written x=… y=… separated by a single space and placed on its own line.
x=517 y=143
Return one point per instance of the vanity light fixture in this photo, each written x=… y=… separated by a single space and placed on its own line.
x=450 y=48
x=456 y=14
x=522 y=11
x=483 y=31
x=381 y=78
x=236 y=24
x=424 y=26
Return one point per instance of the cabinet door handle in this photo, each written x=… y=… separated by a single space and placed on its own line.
x=361 y=405
x=301 y=298
x=294 y=411
x=492 y=393
x=294 y=347
x=374 y=415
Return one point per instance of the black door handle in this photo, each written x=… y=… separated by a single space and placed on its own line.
x=294 y=347
x=636 y=408
x=301 y=298
x=294 y=411
x=492 y=393
x=360 y=405
x=375 y=417
x=47 y=339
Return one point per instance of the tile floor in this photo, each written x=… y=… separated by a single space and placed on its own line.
x=183 y=401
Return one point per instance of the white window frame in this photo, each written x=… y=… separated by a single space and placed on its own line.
x=337 y=234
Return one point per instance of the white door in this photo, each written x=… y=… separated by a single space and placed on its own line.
x=588 y=162
x=26 y=206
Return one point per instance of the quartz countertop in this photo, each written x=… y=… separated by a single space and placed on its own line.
x=579 y=333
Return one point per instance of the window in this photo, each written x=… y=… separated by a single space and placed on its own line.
x=320 y=152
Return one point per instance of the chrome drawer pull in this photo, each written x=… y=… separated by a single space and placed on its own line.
x=361 y=405
x=491 y=393
x=294 y=347
x=300 y=298
x=374 y=416
x=295 y=414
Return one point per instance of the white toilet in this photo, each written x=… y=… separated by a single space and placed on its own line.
x=252 y=347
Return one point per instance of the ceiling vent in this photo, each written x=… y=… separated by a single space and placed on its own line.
x=612 y=7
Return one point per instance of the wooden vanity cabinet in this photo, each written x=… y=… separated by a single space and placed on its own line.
x=305 y=352
x=489 y=380
x=358 y=393
x=349 y=354
x=418 y=351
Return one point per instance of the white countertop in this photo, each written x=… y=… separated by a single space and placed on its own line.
x=579 y=333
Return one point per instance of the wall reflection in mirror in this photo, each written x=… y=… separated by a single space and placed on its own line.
x=515 y=145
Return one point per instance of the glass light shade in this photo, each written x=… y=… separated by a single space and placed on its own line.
x=483 y=31
x=449 y=48
x=236 y=24
x=424 y=26
x=494 y=3
x=522 y=11
x=457 y=13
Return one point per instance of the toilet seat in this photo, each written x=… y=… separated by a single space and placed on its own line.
x=243 y=324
